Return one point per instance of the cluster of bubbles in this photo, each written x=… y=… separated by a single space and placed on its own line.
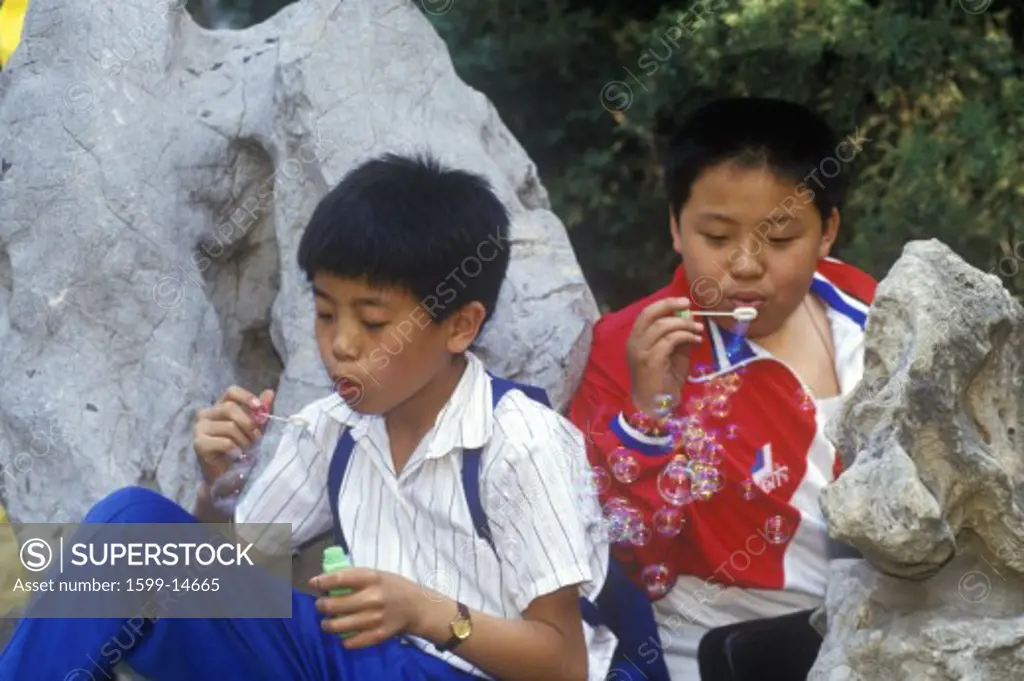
x=690 y=474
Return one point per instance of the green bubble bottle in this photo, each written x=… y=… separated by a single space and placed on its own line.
x=336 y=559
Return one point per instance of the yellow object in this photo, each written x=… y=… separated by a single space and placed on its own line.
x=12 y=18
x=11 y=600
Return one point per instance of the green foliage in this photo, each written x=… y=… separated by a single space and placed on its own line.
x=937 y=91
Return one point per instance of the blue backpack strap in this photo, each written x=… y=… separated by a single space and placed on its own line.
x=500 y=386
x=471 y=486
x=471 y=457
x=621 y=606
x=471 y=478
x=335 y=474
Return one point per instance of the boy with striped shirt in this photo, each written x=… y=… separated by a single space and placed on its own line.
x=406 y=260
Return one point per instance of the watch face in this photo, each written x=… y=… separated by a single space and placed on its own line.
x=461 y=628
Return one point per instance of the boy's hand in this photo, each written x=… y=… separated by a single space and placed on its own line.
x=658 y=351
x=227 y=428
x=381 y=605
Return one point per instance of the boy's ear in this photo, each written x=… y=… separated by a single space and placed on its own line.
x=829 y=233
x=677 y=237
x=464 y=326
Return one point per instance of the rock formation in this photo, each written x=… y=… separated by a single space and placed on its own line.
x=933 y=493
x=155 y=181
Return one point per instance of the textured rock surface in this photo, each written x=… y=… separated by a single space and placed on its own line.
x=966 y=623
x=155 y=182
x=933 y=494
x=933 y=439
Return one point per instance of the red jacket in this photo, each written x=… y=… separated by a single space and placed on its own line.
x=754 y=425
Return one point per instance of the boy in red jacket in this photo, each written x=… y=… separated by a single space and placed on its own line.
x=706 y=434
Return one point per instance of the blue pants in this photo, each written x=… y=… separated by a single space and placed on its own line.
x=200 y=649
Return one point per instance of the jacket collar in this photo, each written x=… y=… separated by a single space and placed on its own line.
x=724 y=351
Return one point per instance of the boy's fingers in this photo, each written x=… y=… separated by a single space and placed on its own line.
x=230 y=431
x=209 y=443
x=365 y=639
x=365 y=629
x=668 y=325
x=267 y=398
x=212 y=451
x=360 y=621
x=347 y=604
x=659 y=309
x=233 y=413
x=669 y=342
x=349 y=578
x=239 y=395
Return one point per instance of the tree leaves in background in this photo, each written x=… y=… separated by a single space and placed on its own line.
x=938 y=91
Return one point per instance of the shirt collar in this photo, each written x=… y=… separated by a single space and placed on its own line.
x=465 y=422
x=728 y=350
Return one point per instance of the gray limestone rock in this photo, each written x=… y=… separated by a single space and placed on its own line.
x=965 y=623
x=933 y=493
x=156 y=178
x=933 y=437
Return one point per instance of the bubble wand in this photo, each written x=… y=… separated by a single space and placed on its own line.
x=740 y=314
x=262 y=415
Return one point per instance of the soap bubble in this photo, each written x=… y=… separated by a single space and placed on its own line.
x=804 y=400
x=714 y=388
x=748 y=489
x=657 y=579
x=613 y=504
x=664 y=405
x=732 y=382
x=715 y=453
x=624 y=465
x=776 y=530
x=641 y=535
x=676 y=428
x=646 y=423
x=719 y=406
x=695 y=444
x=732 y=432
x=622 y=520
x=674 y=482
x=618 y=525
x=600 y=479
x=707 y=480
x=676 y=424
x=669 y=521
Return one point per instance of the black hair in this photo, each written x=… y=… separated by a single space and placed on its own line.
x=788 y=138
x=410 y=223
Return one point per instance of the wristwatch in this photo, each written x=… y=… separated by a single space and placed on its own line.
x=461 y=628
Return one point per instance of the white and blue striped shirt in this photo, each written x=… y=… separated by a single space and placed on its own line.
x=535 y=488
